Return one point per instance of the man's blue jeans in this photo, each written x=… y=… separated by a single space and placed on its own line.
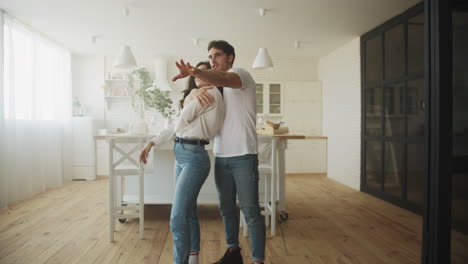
x=239 y=175
x=191 y=169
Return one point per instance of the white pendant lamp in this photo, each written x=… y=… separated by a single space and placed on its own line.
x=263 y=60
x=125 y=59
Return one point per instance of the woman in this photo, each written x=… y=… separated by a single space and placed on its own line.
x=193 y=129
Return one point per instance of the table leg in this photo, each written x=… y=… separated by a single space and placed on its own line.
x=274 y=181
x=282 y=178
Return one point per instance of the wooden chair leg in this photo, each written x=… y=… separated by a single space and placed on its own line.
x=111 y=192
x=267 y=200
x=141 y=202
x=244 y=224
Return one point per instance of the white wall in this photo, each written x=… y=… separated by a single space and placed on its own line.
x=1 y=64
x=341 y=79
x=88 y=76
x=303 y=114
x=302 y=96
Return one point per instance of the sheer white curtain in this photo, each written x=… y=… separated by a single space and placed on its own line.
x=36 y=110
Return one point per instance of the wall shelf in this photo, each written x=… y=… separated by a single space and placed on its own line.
x=117 y=89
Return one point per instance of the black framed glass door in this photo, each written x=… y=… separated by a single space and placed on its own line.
x=394 y=128
x=446 y=206
x=459 y=174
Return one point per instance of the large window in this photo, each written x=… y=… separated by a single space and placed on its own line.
x=36 y=152
x=393 y=116
x=37 y=78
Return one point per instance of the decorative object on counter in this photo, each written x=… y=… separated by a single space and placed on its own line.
x=270 y=128
x=119 y=91
x=273 y=125
x=146 y=95
x=260 y=121
x=105 y=88
x=77 y=108
x=121 y=130
x=152 y=122
x=102 y=132
x=139 y=127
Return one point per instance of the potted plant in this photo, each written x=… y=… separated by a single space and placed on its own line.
x=146 y=95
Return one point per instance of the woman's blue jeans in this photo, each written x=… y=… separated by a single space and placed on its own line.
x=239 y=175
x=191 y=169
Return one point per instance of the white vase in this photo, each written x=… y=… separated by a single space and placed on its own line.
x=139 y=127
x=168 y=122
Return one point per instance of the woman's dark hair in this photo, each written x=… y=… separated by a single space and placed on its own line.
x=191 y=83
x=224 y=46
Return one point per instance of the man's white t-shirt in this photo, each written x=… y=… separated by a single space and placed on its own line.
x=238 y=134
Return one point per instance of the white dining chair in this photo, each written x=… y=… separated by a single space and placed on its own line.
x=125 y=166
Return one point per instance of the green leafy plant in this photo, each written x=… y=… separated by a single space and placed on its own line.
x=146 y=95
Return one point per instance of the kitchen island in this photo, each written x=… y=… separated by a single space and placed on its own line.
x=159 y=175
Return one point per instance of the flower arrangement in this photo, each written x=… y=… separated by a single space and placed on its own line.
x=146 y=95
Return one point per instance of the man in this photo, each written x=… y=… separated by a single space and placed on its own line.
x=235 y=148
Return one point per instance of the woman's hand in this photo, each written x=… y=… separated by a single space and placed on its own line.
x=203 y=96
x=144 y=153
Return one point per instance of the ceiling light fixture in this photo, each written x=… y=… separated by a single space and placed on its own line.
x=125 y=60
x=297 y=44
x=125 y=11
x=262 y=11
x=263 y=60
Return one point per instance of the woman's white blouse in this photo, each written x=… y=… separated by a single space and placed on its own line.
x=195 y=120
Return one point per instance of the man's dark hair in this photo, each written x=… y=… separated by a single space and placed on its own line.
x=224 y=46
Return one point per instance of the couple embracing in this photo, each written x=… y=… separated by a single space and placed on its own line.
x=219 y=103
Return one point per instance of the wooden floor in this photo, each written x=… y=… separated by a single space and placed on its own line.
x=328 y=223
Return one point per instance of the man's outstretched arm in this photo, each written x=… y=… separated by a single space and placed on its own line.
x=213 y=77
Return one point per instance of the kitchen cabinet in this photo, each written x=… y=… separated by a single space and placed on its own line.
x=269 y=99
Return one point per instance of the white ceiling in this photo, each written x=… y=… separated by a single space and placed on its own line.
x=156 y=27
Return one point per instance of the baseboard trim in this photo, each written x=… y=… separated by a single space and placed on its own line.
x=312 y=174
